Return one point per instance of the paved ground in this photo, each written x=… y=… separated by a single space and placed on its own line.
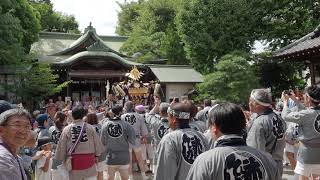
x=287 y=175
x=136 y=176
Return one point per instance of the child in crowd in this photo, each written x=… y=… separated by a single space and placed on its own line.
x=43 y=160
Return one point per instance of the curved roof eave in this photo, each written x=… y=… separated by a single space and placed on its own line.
x=107 y=47
x=74 y=45
x=293 y=48
x=78 y=56
x=81 y=40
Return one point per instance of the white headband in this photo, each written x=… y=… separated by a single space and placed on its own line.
x=179 y=114
x=212 y=108
x=259 y=102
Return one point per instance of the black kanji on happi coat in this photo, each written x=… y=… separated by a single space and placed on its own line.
x=192 y=147
x=55 y=136
x=278 y=127
x=161 y=131
x=115 y=130
x=241 y=165
x=75 y=131
x=317 y=124
x=131 y=119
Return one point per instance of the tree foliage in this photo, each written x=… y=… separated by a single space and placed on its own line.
x=127 y=17
x=153 y=32
x=232 y=81
x=34 y=82
x=11 y=38
x=279 y=75
x=54 y=21
x=202 y=31
x=211 y=29
x=29 y=22
x=281 y=22
x=19 y=29
x=38 y=82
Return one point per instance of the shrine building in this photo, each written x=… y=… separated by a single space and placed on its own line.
x=90 y=62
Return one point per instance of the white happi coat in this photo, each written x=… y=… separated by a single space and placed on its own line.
x=177 y=151
x=234 y=162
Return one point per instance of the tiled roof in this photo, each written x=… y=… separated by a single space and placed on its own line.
x=310 y=42
x=176 y=73
x=52 y=42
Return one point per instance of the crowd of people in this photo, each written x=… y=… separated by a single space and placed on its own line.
x=171 y=141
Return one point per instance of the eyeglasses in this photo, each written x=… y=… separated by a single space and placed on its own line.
x=20 y=127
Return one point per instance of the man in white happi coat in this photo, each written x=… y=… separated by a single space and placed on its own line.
x=179 y=148
x=231 y=158
x=266 y=131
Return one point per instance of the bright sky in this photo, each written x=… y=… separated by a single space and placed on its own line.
x=102 y=13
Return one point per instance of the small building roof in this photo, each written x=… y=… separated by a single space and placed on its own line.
x=176 y=74
x=304 y=47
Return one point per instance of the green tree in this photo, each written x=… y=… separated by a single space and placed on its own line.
x=29 y=21
x=11 y=37
x=211 y=29
x=232 y=81
x=281 y=22
x=279 y=75
x=173 y=47
x=35 y=82
x=19 y=29
x=154 y=32
x=127 y=17
x=54 y=21
x=45 y=11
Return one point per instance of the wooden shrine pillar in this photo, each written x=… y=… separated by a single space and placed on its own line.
x=312 y=73
x=69 y=86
